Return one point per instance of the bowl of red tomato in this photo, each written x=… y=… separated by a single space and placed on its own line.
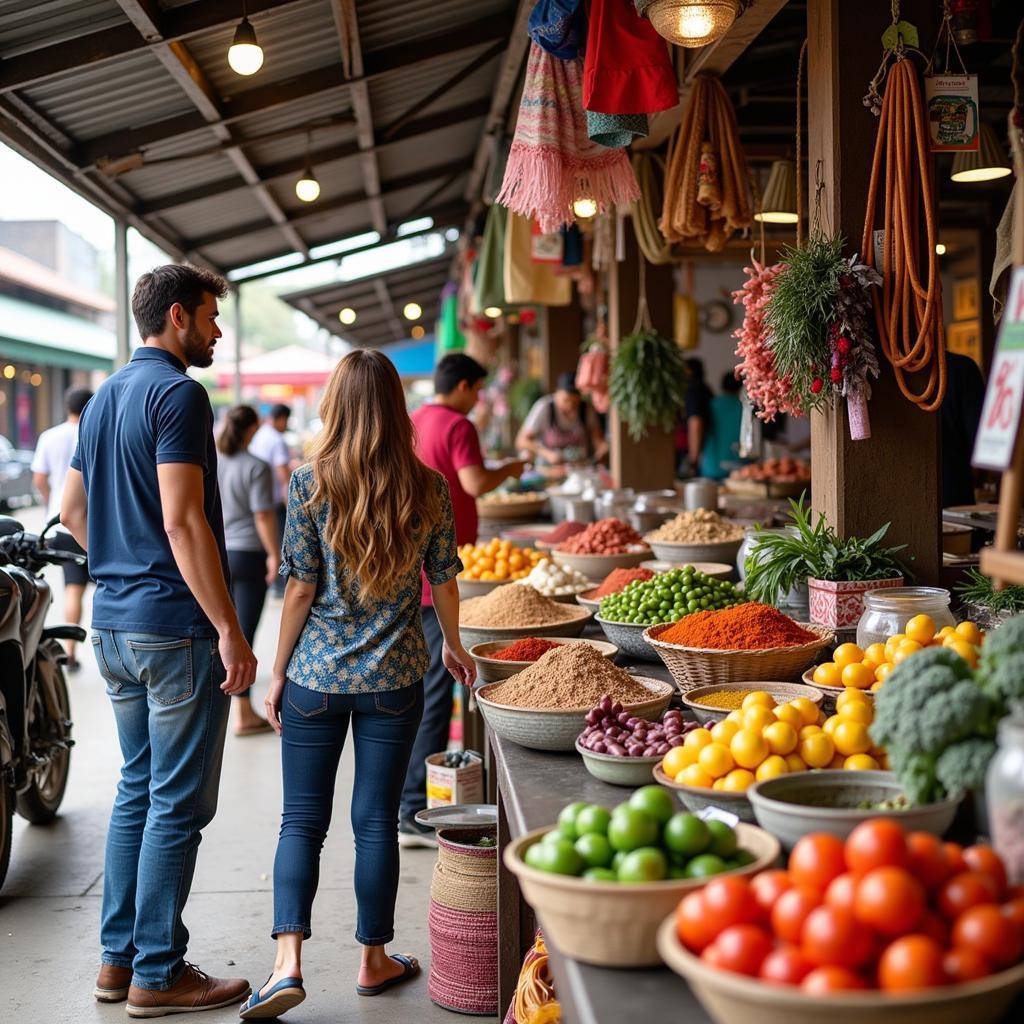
x=888 y=926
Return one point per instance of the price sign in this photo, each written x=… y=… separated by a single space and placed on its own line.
x=1004 y=395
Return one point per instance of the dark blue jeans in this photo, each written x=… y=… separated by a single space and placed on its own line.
x=314 y=726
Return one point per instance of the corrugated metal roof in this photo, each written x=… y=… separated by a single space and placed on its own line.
x=151 y=182
x=383 y=22
x=452 y=143
x=225 y=211
x=27 y=25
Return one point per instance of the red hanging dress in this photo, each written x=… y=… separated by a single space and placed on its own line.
x=627 y=69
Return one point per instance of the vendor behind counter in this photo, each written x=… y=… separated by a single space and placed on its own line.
x=562 y=428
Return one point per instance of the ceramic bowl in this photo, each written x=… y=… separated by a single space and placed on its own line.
x=596 y=567
x=477 y=588
x=792 y=806
x=618 y=771
x=716 y=570
x=493 y=670
x=473 y=635
x=629 y=638
x=696 y=798
x=724 y=551
x=781 y=692
x=830 y=693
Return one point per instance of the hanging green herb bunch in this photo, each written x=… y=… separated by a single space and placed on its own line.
x=647 y=382
x=818 y=315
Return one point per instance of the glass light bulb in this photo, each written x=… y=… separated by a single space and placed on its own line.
x=940 y=249
x=307 y=188
x=776 y=217
x=412 y=311
x=982 y=174
x=245 y=55
x=347 y=315
x=493 y=312
x=584 y=208
x=694 y=23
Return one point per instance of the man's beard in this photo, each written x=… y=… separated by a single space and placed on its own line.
x=198 y=352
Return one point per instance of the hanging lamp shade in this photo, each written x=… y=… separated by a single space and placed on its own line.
x=245 y=55
x=778 y=204
x=986 y=163
x=692 y=23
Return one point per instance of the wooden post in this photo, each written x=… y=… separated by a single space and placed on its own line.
x=893 y=476
x=649 y=464
x=561 y=337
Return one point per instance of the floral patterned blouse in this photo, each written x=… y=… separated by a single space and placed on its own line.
x=348 y=646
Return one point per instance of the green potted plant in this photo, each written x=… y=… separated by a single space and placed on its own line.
x=838 y=572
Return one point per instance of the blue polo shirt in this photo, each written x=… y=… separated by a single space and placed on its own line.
x=149 y=412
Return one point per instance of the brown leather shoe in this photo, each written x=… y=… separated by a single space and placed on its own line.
x=193 y=991
x=112 y=983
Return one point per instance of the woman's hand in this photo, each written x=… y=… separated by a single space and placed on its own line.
x=273 y=702
x=459 y=663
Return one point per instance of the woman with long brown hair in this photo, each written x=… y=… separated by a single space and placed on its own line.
x=364 y=516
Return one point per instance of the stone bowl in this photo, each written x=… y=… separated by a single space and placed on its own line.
x=696 y=798
x=629 y=638
x=618 y=771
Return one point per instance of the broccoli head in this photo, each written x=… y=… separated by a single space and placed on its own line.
x=1003 y=641
x=916 y=773
x=1002 y=678
x=962 y=765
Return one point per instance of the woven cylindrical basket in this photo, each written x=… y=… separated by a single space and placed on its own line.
x=692 y=666
x=463 y=923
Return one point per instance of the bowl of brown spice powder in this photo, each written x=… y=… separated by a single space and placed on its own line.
x=517 y=610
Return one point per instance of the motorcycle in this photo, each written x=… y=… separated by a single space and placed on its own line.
x=35 y=712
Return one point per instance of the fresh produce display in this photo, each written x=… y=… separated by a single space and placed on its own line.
x=885 y=910
x=613 y=730
x=619 y=579
x=776 y=471
x=605 y=537
x=517 y=607
x=869 y=668
x=528 y=649
x=667 y=597
x=459 y=759
x=571 y=677
x=761 y=740
x=553 y=580
x=1001 y=671
x=980 y=590
x=497 y=560
x=702 y=526
x=742 y=627
x=642 y=840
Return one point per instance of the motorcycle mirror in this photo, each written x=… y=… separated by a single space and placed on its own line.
x=51 y=523
x=10 y=525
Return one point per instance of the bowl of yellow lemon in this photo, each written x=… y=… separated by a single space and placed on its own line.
x=489 y=565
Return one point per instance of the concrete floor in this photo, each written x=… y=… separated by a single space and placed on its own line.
x=49 y=905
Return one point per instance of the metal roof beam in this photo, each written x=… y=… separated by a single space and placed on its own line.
x=96 y=47
x=346 y=23
x=262 y=99
x=322 y=206
x=388 y=306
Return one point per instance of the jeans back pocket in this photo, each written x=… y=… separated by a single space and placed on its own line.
x=164 y=666
x=307 y=703
x=397 y=702
x=114 y=674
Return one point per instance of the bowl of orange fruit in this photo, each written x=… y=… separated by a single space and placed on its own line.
x=491 y=564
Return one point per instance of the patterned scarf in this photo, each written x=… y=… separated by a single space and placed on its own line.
x=552 y=161
x=560 y=27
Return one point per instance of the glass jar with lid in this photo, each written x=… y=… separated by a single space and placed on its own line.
x=796 y=601
x=1004 y=794
x=887 y=612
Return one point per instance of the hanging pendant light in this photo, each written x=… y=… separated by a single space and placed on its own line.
x=692 y=23
x=347 y=315
x=584 y=208
x=986 y=163
x=245 y=55
x=307 y=188
x=412 y=311
x=778 y=204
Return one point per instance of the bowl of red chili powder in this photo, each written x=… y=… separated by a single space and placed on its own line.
x=500 y=659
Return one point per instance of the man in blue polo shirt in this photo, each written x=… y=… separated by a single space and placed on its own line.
x=141 y=497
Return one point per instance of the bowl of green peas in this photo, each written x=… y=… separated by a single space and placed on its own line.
x=667 y=597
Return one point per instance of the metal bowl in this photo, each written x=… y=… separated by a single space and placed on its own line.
x=493 y=670
x=723 y=551
x=629 y=638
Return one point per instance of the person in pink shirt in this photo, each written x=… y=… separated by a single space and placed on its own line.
x=447 y=442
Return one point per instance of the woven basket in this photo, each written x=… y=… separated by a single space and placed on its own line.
x=692 y=666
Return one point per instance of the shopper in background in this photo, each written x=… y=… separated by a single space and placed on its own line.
x=561 y=428
x=720 y=453
x=697 y=410
x=960 y=414
x=50 y=465
x=141 y=496
x=269 y=445
x=251 y=536
x=365 y=516
x=447 y=442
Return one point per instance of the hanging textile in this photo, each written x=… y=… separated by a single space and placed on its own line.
x=650 y=174
x=628 y=69
x=449 y=337
x=552 y=162
x=489 y=281
x=559 y=27
x=527 y=282
x=616 y=131
x=572 y=246
x=707 y=187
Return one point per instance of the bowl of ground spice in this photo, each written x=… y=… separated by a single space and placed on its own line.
x=616 y=580
x=746 y=642
x=700 y=535
x=603 y=546
x=515 y=611
x=499 y=660
x=716 y=570
x=710 y=704
x=545 y=706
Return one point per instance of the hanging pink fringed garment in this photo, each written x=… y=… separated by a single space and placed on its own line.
x=552 y=162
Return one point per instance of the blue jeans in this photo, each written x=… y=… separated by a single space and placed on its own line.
x=314 y=726
x=432 y=737
x=171 y=718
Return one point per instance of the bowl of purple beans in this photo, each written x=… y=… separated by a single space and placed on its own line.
x=621 y=749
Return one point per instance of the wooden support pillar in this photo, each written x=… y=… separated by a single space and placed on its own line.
x=893 y=476
x=561 y=330
x=649 y=464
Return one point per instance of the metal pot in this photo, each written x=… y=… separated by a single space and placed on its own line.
x=614 y=504
x=700 y=493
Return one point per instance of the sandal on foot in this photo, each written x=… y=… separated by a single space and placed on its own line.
x=410 y=968
x=288 y=992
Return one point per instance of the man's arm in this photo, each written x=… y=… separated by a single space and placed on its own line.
x=198 y=559
x=694 y=439
x=74 y=508
x=477 y=480
x=283 y=474
x=41 y=482
x=266 y=527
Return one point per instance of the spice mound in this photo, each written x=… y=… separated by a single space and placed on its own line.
x=515 y=606
x=702 y=526
x=572 y=677
x=619 y=579
x=744 y=627
x=726 y=700
x=563 y=531
x=528 y=649
x=605 y=537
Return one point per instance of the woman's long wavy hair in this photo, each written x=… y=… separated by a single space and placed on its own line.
x=381 y=498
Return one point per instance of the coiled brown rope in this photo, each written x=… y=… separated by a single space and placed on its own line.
x=909 y=311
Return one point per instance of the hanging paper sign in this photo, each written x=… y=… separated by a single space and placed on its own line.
x=1004 y=395
x=952 y=102
x=546 y=248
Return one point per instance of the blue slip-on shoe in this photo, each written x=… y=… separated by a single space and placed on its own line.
x=411 y=967
x=288 y=992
